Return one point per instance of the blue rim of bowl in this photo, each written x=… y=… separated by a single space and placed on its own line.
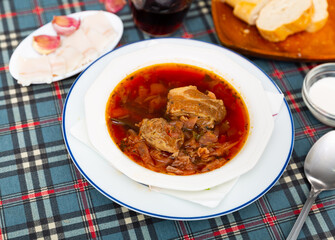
x=165 y=216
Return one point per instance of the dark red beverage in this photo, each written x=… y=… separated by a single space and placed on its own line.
x=159 y=17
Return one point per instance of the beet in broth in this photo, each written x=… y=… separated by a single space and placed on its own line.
x=143 y=94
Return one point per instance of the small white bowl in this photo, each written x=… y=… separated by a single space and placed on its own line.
x=316 y=74
x=161 y=51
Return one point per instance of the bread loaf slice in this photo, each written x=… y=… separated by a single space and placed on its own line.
x=231 y=3
x=319 y=17
x=248 y=10
x=281 y=18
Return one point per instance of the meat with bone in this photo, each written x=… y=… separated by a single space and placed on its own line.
x=160 y=134
x=190 y=102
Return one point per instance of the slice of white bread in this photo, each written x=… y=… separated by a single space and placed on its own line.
x=320 y=15
x=231 y=3
x=281 y=18
x=248 y=10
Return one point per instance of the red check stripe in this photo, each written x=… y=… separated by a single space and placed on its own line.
x=314 y=130
x=58 y=92
x=59 y=95
x=38 y=10
x=88 y=214
x=32 y=124
x=187 y=237
x=4 y=68
x=90 y=223
x=229 y=230
x=306 y=68
x=310 y=131
x=8 y=15
x=184 y=231
x=317 y=206
x=278 y=74
x=314 y=207
x=193 y=35
x=187 y=35
x=270 y=220
x=81 y=185
x=17 y=127
x=86 y=207
x=209 y=31
x=38 y=194
x=70 y=5
x=43 y=193
x=295 y=105
x=92 y=228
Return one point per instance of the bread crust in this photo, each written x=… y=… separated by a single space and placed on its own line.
x=231 y=3
x=317 y=22
x=248 y=10
x=284 y=30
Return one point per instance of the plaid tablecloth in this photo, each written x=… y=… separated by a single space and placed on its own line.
x=43 y=195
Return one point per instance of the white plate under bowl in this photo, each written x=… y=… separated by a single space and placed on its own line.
x=249 y=87
x=25 y=49
x=138 y=197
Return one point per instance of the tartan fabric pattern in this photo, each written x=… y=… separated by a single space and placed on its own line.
x=43 y=195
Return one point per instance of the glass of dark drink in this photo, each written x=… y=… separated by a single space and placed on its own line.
x=159 y=17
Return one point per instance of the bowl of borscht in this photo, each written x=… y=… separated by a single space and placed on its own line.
x=178 y=117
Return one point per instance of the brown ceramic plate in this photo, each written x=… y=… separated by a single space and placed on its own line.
x=303 y=46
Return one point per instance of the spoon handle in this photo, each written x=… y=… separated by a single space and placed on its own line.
x=303 y=214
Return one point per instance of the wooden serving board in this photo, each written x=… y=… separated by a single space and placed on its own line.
x=237 y=35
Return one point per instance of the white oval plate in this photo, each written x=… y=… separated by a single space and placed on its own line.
x=249 y=87
x=25 y=49
x=138 y=197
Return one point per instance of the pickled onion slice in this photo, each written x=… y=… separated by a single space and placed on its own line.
x=45 y=44
x=114 y=5
x=65 y=25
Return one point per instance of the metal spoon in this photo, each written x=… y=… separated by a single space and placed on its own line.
x=320 y=172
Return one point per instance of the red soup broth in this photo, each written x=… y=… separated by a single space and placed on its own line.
x=143 y=94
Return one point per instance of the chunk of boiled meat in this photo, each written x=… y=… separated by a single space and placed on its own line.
x=208 y=138
x=159 y=134
x=190 y=102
